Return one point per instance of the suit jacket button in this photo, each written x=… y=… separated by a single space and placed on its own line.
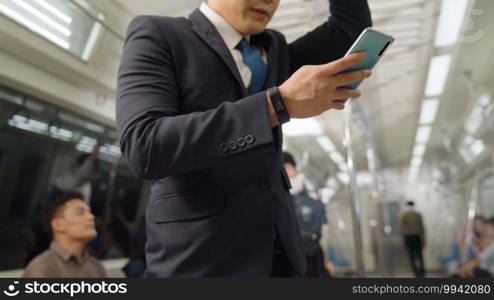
x=250 y=139
x=224 y=147
x=241 y=142
x=232 y=145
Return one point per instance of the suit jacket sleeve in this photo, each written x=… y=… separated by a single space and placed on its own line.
x=331 y=40
x=155 y=138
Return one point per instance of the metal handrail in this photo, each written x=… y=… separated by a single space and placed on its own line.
x=354 y=196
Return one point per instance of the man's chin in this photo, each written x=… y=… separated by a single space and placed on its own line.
x=256 y=30
x=91 y=236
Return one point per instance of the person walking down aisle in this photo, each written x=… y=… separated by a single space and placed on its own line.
x=413 y=233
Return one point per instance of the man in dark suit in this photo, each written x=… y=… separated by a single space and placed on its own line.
x=199 y=107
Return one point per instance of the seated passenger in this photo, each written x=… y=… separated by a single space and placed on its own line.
x=71 y=226
x=451 y=262
x=483 y=264
x=478 y=237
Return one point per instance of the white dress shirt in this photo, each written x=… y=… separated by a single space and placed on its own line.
x=231 y=37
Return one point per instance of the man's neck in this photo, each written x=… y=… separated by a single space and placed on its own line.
x=75 y=247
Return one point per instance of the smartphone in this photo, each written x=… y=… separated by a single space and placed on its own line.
x=374 y=44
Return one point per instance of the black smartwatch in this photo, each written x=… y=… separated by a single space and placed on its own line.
x=278 y=105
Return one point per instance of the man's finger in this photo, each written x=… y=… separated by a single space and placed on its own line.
x=346 y=94
x=338 y=106
x=350 y=77
x=333 y=105
x=344 y=63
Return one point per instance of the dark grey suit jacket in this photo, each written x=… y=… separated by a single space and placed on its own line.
x=186 y=121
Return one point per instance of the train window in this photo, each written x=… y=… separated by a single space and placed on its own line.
x=486 y=196
x=471 y=148
x=40 y=142
x=29 y=175
x=71 y=25
x=479 y=112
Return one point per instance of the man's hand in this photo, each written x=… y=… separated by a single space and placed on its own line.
x=312 y=89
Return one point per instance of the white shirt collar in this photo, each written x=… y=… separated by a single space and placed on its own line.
x=229 y=34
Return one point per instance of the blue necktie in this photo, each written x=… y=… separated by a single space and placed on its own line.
x=256 y=65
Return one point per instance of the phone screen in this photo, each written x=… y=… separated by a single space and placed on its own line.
x=374 y=44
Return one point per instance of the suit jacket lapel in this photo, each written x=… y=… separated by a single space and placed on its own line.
x=206 y=31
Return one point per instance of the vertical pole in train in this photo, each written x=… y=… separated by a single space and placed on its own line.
x=354 y=195
x=372 y=165
x=472 y=208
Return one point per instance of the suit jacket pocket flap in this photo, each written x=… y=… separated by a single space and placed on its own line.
x=186 y=206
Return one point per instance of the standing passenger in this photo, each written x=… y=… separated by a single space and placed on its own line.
x=78 y=178
x=311 y=216
x=200 y=101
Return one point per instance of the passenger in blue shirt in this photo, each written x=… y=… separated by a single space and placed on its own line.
x=311 y=216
